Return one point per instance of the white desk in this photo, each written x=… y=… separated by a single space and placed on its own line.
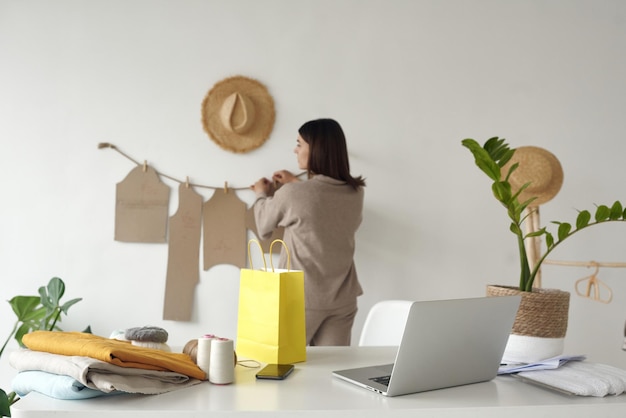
x=312 y=391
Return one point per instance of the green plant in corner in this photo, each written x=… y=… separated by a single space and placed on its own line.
x=491 y=158
x=33 y=313
x=5 y=403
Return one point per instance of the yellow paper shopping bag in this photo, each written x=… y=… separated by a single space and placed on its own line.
x=271 y=322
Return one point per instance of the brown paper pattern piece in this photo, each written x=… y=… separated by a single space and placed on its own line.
x=224 y=230
x=141 y=209
x=183 y=264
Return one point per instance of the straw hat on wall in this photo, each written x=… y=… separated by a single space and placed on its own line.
x=238 y=114
x=538 y=167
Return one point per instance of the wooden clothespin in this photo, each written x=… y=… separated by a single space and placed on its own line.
x=187 y=181
x=145 y=166
x=226 y=187
x=595 y=288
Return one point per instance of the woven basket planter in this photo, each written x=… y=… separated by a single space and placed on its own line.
x=540 y=325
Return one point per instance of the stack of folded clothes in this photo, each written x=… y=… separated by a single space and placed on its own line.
x=75 y=365
x=580 y=378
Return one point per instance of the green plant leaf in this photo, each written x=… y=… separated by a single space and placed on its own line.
x=616 y=211
x=514 y=199
x=24 y=306
x=482 y=159
x=511 y=170
x=526 y=203
x=56 y=290
x=498 y=150
x=563 y=231
x=515 y=228
x=52 y=293
x=602 y=213
x=536 y=233
x=583 y=219
x=549 y=240
x=67 y=305
x=5 y=410
x=505 y=159
x=502 y=191
x=492 y=145
x=24 y=329
x=44 y=298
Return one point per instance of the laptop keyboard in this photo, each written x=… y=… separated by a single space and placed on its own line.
x=383 y=380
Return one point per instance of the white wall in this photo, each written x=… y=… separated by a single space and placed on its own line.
x=408 y=80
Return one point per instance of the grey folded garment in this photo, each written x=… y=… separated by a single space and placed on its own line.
x=146 y=334
x=581 y=378
x=100 y=375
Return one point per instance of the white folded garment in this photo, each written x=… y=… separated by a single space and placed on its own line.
x=100 y=375
x=581 y=378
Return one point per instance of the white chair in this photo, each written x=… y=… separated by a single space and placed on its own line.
x=385 y=323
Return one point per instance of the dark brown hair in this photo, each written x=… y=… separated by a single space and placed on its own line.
x=328 y=152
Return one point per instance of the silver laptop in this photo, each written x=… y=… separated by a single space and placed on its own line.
x=445 y=343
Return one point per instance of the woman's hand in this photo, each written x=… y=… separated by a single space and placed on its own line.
x=261 y=187
x=284 y=177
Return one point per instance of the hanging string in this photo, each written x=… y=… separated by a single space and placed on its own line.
x=226 y=187
x=584 y=263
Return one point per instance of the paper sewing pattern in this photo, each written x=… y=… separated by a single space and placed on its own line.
x=224 y=230
x=183 y=264
x=141 y=207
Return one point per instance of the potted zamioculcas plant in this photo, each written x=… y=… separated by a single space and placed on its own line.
x=541 y=323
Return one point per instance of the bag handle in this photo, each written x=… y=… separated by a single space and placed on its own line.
x=262 y=253
x=271 y=258
x=286 y=250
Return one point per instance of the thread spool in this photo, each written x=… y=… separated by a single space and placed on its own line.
x=222 y=368
x=203 y=354
x=191 y=349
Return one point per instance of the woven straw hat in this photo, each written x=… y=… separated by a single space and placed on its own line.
x=538 y=167
x=238 y=114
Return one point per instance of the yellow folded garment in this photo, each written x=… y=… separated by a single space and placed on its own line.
x=121 y=353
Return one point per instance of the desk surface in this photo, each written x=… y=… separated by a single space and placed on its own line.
x=312 y=391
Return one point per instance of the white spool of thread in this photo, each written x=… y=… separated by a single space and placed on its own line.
x=203 y=355
x=222 y=366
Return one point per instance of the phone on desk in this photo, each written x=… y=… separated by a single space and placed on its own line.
x=275 y=371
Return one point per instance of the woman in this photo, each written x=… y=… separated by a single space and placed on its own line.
x=320 y=217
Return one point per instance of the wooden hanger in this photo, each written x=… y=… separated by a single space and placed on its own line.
x=595 y=288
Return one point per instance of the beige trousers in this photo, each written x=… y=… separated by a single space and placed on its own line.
x=330 y=326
